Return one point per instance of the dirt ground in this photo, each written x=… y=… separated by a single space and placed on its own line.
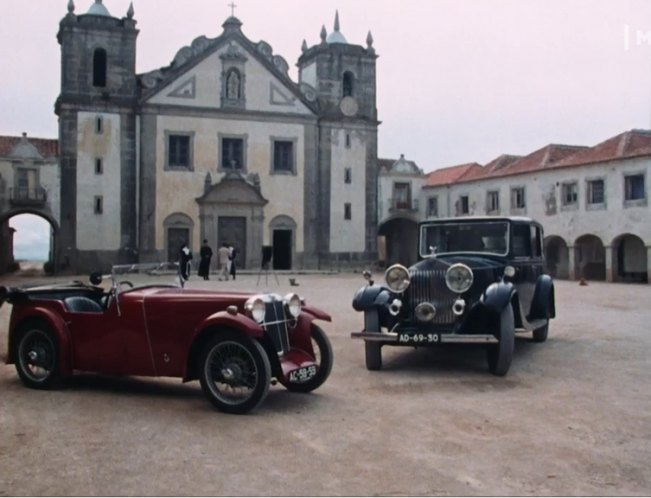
x=572 y=417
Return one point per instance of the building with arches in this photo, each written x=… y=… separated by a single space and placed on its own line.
x=29 y=184
x=593 y=202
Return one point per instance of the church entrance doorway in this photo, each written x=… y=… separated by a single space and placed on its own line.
x=176 y=237
x=232 y=230
x=282 y=249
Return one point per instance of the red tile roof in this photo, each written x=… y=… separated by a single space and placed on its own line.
x=633 y=143
x=47 y=147
x=452 y=174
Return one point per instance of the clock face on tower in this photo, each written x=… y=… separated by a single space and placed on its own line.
x=348 y=106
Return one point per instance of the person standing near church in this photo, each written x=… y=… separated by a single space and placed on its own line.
x=233 y=259
x=185 y=256
x=223 y=255
x=205 y=253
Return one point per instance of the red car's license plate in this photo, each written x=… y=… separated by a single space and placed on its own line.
x=302 y=374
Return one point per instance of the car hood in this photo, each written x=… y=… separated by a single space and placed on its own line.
x=475 y=262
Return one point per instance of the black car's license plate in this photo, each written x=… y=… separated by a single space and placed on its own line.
x=418 y=338
x=302 y=374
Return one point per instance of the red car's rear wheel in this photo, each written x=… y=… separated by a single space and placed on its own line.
x=37 y=355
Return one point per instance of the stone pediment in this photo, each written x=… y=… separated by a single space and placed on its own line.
x=233 y=189
x=240 y=48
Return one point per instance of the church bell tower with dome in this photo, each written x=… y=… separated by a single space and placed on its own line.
x=343 y=77
x=97 y=136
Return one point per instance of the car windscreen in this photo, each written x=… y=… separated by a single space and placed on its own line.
x=489 y=237
x=127 y=277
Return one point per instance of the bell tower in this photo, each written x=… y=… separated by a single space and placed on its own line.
x=97 y=137
x=343 y=77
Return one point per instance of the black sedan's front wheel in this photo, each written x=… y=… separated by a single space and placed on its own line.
x=500 y=355
x=372 y=349
x=37 y=355
x=234 y=372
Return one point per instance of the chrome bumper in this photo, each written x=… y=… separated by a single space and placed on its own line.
x=392 y=337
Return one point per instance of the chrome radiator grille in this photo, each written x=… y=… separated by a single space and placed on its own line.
x=275 y=323
x=429 y=286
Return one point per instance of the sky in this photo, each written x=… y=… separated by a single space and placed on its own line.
x=458 y=81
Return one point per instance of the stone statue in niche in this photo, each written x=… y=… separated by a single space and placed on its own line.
x=233 y=85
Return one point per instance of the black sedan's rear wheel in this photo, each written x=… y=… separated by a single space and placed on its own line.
x=500 y=355
x=540 y=334
x=323 y=358
x=234 y=372
x=37 y=355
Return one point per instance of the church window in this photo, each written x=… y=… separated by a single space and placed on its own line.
x=348 y=175
x=232 y=154
x=179 y=151
x=99 y=67
x=233 y=85
x=99 y=125
x=348 y=140
x=348 y=84
x=98 y=204
x=348 y=211
x=283 y=156
x=99 y=166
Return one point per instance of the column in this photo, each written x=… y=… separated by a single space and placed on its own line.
x=608 y=254
x=571 y=270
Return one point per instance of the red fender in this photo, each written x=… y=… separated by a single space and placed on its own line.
x=58 y=326
x=316 y=313
x=239 y=322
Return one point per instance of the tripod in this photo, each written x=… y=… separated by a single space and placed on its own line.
x=265 y=268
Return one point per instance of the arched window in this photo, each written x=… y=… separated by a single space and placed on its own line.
x=233 y=84
x=348 y=84
x=99 y=67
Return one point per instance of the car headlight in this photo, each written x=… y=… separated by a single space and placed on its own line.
x=257 y=308
x=293 y=303
x=397 y=278
x=459 y=278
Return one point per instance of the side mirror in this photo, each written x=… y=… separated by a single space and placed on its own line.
x=95 y=278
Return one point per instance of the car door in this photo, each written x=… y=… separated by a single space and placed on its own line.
x=97 y=342
x=526 y=272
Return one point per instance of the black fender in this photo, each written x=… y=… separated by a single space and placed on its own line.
x=497 y=295
x=371 y=296
x=542 y=304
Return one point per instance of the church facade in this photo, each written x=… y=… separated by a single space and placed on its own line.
x=220 y=145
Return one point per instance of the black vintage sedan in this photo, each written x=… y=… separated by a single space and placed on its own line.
x=479 y=280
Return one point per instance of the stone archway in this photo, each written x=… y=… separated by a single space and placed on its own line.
x=629 y=259
x=557 y=258
x=283 y=240
x=7 y=239
x=178 y=230
x=590 y=258
x=401 y=241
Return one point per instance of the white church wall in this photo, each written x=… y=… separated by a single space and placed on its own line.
x=98 y=231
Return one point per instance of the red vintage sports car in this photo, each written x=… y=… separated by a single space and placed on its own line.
x=236 y=344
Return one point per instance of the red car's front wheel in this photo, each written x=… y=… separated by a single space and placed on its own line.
x=234 y=372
